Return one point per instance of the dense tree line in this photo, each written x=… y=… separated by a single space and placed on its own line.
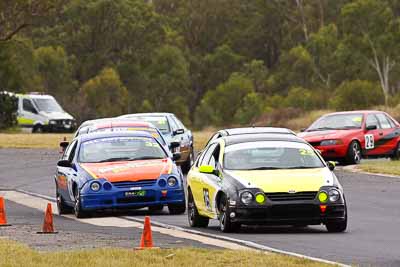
x=213 y=62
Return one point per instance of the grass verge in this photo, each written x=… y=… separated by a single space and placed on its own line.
x=51 y=141
x=15 y=254
x=378 y=166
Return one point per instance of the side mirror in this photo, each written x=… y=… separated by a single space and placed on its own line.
x=178 y=131
x=64 y=163
x=174 y=145
x=176 y=156
x=207 y=169
x=371 y=127
x=331 y=165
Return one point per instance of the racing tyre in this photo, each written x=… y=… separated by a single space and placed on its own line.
x=194 y=218
x=337 y=226
x=188 y=163
x=61 y=206
x=396 y=154
x=156 y=208
x=79 y=213
x=353 y=153
x=175 y=209
x=225 y=223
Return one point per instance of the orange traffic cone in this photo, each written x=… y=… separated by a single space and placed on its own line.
x=48 y=226
x=3 y=217
x=147 y=238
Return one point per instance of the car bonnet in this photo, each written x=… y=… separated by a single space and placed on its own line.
x=129 y=170
x=284 y=180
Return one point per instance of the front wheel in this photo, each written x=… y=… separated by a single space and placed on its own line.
x=396 y=153
x=62 y=207
x=353 y=153
x=188 y=163
x=156 y=208
x=225 y=223
x=79 y=213
x=194 y=218
x=175 y=209
x=337 y=226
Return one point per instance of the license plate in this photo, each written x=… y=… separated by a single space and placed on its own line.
x=140 y=193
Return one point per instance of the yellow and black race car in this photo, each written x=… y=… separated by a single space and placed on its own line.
x=264 y=179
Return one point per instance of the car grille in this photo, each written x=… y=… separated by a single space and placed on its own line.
x=294 y=211
x=291 y=196
x=138 y=199
x=63 y=122
x=134 y=184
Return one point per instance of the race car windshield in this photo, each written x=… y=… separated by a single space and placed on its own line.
x=160 y=122
x=120 y=149
x=152 y=131
x=47 y=105
x=337 y=122
x=271 y=155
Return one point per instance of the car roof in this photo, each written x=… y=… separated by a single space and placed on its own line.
x=95 y=135
x=354 y=112
x=257 y=130
x=91 y=122
x=121 y=123
x=237 y=139
x=152 y=114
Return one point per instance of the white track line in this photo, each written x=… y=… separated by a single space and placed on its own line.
x=39 y=202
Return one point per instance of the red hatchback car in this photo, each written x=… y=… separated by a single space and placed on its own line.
x=349 y=136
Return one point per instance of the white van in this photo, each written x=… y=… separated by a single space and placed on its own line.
x=42 y=113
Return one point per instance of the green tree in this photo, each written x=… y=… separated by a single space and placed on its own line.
x=371 y=29
x=18 y=69
x=252 y=107
x=169 y=81
x=358 y=94
x=302 y=98
x=103 y=96
x=219 y=106
x=55 y=70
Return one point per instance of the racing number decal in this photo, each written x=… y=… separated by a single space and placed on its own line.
x=206 y=196
x=369 y=141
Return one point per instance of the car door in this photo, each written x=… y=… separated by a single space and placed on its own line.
x=197 y=179
x=212 y=182
x=371 y=136
x=181 y=135
x=65 y=176
x=28 y=114
x=388 y=140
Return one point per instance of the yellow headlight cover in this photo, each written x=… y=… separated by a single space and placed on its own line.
x=323 y=197
x=260 y=198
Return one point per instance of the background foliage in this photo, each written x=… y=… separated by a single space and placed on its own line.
x=220 y=62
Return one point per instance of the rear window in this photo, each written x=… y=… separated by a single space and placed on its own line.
x=161 y=122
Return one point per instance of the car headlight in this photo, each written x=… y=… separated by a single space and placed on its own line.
x=331 y=142
x=246 y=197
x=334 y=195
x=172 y=181
x=95 y=186
x=322 y=197
x=52 y=122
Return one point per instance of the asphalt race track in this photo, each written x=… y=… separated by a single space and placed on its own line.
x=372 y=238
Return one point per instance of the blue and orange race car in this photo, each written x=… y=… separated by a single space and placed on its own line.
x=116 y=170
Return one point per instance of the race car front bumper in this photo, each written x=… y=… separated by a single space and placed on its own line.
x=334 y=152
x=288 y=214
x=120 y=198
